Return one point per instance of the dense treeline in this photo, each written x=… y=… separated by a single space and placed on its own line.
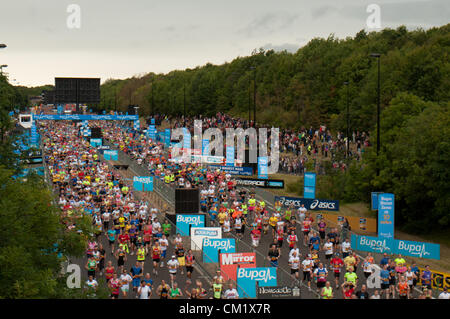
x=307 y=88
x=301 y=89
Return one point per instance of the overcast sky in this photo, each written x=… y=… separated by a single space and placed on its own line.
x=122 y=38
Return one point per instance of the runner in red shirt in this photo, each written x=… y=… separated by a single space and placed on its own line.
x=336 y=263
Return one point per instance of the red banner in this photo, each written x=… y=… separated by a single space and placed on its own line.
x=229 y=263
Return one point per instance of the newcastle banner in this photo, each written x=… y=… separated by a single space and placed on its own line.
x=278 y=292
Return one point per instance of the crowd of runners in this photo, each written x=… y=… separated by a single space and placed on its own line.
x=134 y=233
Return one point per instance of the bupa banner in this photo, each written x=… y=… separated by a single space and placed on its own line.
x=143 y=183
x=372 y=244
x=111 y=155
x=263 y=167
x=213 y=247
x=396 y=246
x=86 y=117
x=310 y=204
x=386 y=215
x=95 y=142
x=230 y=262
x=200 y=233
x=263 y=183
x=234 y=170
x=185 y=222
x=248 y=277
x=417 y=249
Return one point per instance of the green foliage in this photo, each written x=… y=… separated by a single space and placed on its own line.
x=29 y=227
x=413 y=163
x=304 y=88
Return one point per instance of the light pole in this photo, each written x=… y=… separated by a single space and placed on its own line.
x=153 y=102
x=378 y=55
x=346 y=83
x=184 y=101
x=254 y=96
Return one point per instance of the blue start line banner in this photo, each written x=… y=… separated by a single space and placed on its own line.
x=84 y=117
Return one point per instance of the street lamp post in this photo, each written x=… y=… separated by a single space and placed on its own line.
x=184 y=100
x=346 y=83
x=153 y=102
x=254 y=97
x=377 y=55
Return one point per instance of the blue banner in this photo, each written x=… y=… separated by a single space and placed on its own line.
x=151 y=132
x=234 y=170
x=310 y=204
x=386 y=215
x=184 y=222
x=143 y=183
x=309 y=192
x=230 y=156
x=167 y=137
x=212 y=247
x=205 y=147
x=372 y=244
x=186 y=138
x=248 y=277
x=111 y=155
x=95 y=142
x=86 y=117
x=395 y=246
x=309 y=185
x=374 y=200
x=263 y=169
x=34 y=134
x=136 y=125
x=310 y=179
x=417 y=249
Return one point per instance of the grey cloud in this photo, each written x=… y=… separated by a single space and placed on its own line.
x=322 y=11
x=268 y=23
